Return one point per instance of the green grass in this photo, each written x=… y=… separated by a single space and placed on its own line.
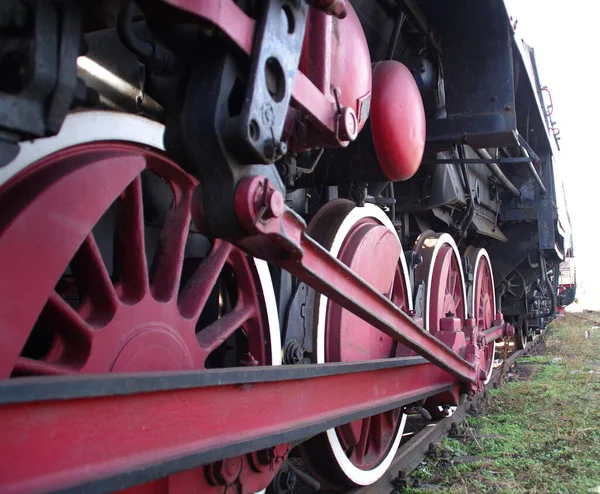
x=540 y=433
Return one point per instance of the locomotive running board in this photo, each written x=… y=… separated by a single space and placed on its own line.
x=163 y=423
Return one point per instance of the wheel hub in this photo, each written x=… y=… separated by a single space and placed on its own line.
x=153 y=348
x=350 y=338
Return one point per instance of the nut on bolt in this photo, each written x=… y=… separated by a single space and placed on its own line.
x=274 y=150
x=347 y=125
x=294 y=353
x=257 y=200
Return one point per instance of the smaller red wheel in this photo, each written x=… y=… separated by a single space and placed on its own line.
x=442 y=273
x=482 y=301
x=365 y=240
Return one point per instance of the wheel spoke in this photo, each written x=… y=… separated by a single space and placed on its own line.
x=65 y=320
x=99 y=298
x=25 y=365
x=130 y=254
x=213 y=336
x=376 y=432
x=361 y=447
x=199 y=287
x=168 y=261
x=390 y=418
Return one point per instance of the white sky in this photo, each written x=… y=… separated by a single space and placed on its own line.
x=565 y=36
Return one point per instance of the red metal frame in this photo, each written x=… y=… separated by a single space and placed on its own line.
x=60 y=443
x=306 y=96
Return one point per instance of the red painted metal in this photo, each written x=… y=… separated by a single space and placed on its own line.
x=61 y=443
x=311 y=96
x=128 y=320
x=350 y=64
x=441 y=271
x=337 y=8
x=447 y=295
x=372 y=250
x=484 y=306
x=285 y=241
x=397 y=120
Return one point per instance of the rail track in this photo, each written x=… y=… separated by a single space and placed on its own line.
x=422 y=442
x=418 y=447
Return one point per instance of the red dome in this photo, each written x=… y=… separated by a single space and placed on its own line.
x=397 y=120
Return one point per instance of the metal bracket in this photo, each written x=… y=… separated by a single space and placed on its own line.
x=40 y=107
x=275 y=59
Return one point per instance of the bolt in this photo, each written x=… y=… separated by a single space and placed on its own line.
x=224 y=472
x=359 y=195
x=248 y=360
x=276 y=204
x=287 y=481
x=450 y=314
x=347 y=125
x=275 y=150
x=268 y=202
x=294 y=353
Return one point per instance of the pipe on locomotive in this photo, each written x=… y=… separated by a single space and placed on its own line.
x=527 y=152
x=495 y=169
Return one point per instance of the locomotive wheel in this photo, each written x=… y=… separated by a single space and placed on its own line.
x=521 y=331
x=442 y=273
x=364 y=239
x=482 y=301
x=104 y=273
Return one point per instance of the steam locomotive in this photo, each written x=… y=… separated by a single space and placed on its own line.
x=240 y=234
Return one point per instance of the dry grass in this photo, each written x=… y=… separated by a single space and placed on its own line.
x=541 y=431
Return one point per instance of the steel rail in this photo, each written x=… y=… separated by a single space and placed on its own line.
x=124 y=430
x=412 y=453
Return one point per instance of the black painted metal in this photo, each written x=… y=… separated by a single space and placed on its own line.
x=48 y=57
x=194 y=136
x=29 y=389
x=277 y=47
x=467 y=161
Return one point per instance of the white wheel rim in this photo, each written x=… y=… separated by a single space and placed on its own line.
x=437 y=241
x=355 y=474
x=482 y=254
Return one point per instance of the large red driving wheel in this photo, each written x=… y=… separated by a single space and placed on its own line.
x=103 y=272
x=364 y=239
x=482 y=303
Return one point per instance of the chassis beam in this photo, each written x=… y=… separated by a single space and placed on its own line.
x=107 y=432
